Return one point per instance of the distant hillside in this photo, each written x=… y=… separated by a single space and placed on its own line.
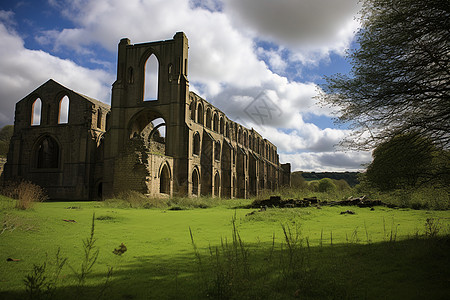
x=350 y=177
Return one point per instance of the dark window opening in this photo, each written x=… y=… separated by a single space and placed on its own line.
x=196 y=149
x=195 y=182
x=47 y=154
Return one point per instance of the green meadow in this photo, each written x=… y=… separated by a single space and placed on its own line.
x=222 y=252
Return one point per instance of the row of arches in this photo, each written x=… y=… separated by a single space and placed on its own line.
x=222 y=181
x=196 y=183
x=250 y=141
x=38 y=108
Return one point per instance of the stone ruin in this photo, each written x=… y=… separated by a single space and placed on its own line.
x=174 y=143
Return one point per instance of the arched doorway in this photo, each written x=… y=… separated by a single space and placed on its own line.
x=195 y=179
x=164 y=180
x=217 y=185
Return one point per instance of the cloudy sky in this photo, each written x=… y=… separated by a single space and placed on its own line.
x=259 y=61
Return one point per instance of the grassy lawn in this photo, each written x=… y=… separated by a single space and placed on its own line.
x=370 y=254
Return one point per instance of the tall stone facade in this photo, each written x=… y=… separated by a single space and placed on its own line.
x=172 y=142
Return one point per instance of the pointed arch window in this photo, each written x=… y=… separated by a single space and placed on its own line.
x=63 y=116
x=217 y=151
x=196 y=149
x=216 y=123
x=192 y=109
x=221 y=126
x=151 y=79
x=99 y=118
x=217 y=185
x=195 y=180
x=200 y=115
x=36 y=111
x=47 y=154
x=208 y=118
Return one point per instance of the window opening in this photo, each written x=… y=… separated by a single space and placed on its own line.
x=63 y=117
x=196 y=150
x=36 y=110
x=151 y=79
x=195 y=182
x=47 y=154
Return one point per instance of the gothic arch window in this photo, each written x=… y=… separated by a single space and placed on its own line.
x=36 y=112
x=164 y=180
x=217 y=185
x=200 y=115
x=216 y=123
x=99 y=118
x=151 y=79
x=221 y=125
x=227 y=130
x=192 y=109
x=217 y=151
x=63 y=116
x=239 y=136
x=208 y=118
x=195 y=180
x=196 y=148
x=47 y=154
x=245 y=138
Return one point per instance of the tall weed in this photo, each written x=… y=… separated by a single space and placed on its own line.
x=90 y=256
x=25 y=192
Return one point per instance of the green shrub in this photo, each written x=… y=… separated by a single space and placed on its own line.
x=326 y=185
x=313 y=186
x=341 y=185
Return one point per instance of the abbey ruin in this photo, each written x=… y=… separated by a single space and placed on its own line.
x=79 y=148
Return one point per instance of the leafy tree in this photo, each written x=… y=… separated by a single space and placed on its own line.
x=326 y=185
x=400 y=77
x=341 y=185
x=407 y=161
x=298 y=181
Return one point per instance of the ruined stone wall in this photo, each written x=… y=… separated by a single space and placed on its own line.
x=241 y=158
x=59 y=156
x=102 y=151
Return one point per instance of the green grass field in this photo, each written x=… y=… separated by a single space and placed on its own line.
x=380 y=254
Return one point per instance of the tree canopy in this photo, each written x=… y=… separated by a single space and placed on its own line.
x=400 y=77
x=408 y=161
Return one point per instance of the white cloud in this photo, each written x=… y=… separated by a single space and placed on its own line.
x=225 y=63
x=23 y=70
x=311 y=27
x=327 y=161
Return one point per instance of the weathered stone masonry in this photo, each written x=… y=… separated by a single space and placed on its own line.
x=174 y=144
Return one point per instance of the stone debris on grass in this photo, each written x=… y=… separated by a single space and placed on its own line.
x=276 y=201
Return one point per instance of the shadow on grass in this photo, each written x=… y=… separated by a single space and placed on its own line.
x=416 y=268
